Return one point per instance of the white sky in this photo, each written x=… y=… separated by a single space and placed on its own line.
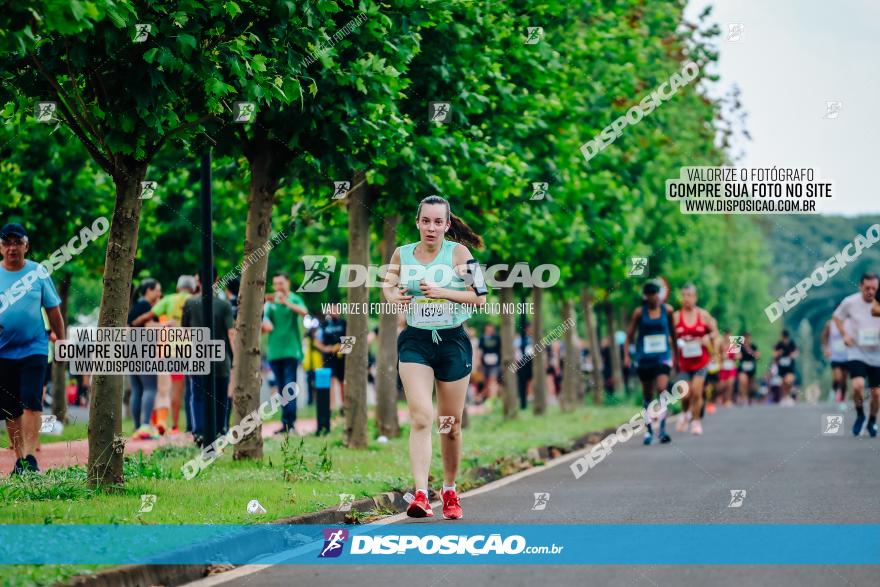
x=794 y=56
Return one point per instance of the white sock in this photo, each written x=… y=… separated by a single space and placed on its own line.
x=449 y=488
x=425 y=491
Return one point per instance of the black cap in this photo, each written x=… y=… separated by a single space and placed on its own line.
x=13 y=230
x=651 y=288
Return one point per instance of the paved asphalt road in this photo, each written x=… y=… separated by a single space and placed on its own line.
x=790 y=471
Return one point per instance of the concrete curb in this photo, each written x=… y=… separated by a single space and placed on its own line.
x=173 y=575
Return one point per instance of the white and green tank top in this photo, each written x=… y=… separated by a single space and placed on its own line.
x=427 y=313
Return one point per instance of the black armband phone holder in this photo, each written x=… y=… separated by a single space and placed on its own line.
x=476 y=273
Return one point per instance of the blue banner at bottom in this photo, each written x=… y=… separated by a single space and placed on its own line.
x=444 y=543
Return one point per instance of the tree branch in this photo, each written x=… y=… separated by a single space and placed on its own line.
x=99 y=157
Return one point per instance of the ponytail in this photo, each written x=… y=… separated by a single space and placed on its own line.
x=462 y=233
x=459 y=231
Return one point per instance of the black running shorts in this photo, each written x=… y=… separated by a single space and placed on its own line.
x=450 y=358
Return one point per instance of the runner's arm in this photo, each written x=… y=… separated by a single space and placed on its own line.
x=875 y=308
x=56 y=322
x=839 y=315
x=391 y=287
x=630 y=333
x=144 y=318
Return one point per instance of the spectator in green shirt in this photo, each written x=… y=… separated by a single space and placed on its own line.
x=283 y=314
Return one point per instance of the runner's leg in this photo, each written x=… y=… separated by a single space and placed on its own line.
x=450 y=402
x=418 y=386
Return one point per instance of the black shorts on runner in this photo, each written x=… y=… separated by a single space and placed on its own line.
x=860 y=369
x=783 y=371
x=840 y=365
x=450 y=358
x=648 y=373
x=688 y=375
x=336 y=365
x=21 y=385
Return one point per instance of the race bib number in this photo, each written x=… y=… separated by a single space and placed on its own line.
x=431 y=312
x=490 y=359
x=869 y=337
x=712 y=367
x=692 y=349
x=748 y=366
x=655 y=343
x=784 y=361
x=728 y=365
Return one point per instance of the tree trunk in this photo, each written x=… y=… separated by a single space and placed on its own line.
x=539 y=362
x=509 y=397
x=59 y=368
x=246 y=348
x=358 y=325
x=572 y=360
x=106 y=443
x=386 y=357
x=593 y=342
x=616 y=366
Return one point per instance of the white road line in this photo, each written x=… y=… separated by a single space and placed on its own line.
x=246 y=570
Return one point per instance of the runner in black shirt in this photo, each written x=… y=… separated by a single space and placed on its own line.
x=785 y=352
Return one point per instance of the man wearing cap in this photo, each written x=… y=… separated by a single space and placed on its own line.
x=25 y=289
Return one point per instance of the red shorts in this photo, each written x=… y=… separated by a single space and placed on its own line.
x=177 y=376
x=725 y=375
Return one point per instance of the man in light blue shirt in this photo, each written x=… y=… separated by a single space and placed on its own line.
x=25 y=289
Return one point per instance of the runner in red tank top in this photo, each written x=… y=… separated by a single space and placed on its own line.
x=695 y=331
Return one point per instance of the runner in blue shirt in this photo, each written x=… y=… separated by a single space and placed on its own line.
x=25 y=289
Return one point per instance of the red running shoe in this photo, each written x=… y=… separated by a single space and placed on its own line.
x=451 y=505
x=419 y=507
